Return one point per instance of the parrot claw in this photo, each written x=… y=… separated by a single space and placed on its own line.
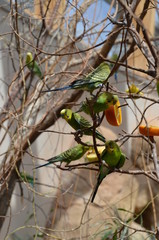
x=79 y=133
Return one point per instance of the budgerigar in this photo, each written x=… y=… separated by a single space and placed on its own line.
x=103 y=102
x=33 y=65
x=134 y=89
x=93 y=80
x=78 y=122
x=114 y=158
x=68 y=156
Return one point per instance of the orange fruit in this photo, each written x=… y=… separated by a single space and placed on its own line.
x=149 y=130
x=114 y=115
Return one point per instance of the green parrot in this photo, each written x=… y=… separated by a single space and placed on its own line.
x=134 y=89
x=78 y=122
x=68 y=156
x=114 y=158
x=33 y=65
x=112 y=154
x=93 y=80
x=103 y=102
x=27 y=178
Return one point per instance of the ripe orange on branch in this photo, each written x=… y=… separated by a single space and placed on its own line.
x=114 y=115
x=149 y=130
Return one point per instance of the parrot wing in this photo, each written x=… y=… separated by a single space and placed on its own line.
x=100 y=74
x=84 y=123
x=121 y=161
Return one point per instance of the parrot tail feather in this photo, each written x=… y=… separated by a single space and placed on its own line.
x=101 y=137
x=58 y=89
x=43 y=165
x=49 y=161
x=94 y=193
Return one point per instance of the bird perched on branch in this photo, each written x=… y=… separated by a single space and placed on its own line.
x=103 y=102
x=27 y=178
x=68 y=156
x=33 y=65
x=77 y=122
x=93 y=80
x=112 y=157
x=134 y=89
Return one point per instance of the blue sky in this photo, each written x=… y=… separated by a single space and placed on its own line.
x=94 y=15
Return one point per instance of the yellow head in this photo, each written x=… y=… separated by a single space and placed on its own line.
x=66 y=114
x=115 y=99
x=110 y=145
x=29 y=57
x=111 y=99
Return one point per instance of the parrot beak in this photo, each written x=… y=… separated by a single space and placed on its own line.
x=64 y=114
x=109 y=148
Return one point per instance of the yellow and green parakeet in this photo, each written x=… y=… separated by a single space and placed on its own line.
x=112 y=157
x=134 y=89
x=93 y=80
x=112 y=154
x=33 y=65
x=68 y=156
x=27 y=178
x=77 y=122
x=103 y=102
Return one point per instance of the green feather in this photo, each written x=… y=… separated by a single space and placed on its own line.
x=92 y=81
x=77 y=122
x=68 y=156
x=100 y=74
x=121 y=161
x=33 y=65
x=103 y=172
x=112 y=153
x=103 y=102
x=27 y=178
x=114 y=158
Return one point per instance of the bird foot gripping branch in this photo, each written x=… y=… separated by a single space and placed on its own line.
x=77 y=122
